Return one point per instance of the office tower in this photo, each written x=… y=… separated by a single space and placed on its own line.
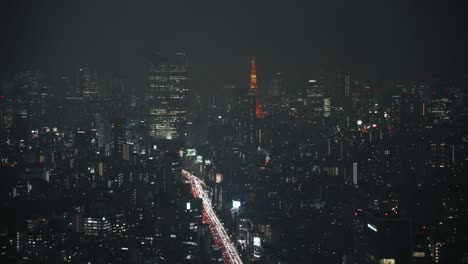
x=170 y=171
x=118 y=137
x=277 y=86
x=191 y=218
x=127 y=151
x=118 y=91
x=409 y=112
x=355 y=173
x=28 y=103
x=341 y=88
x=103 y=128
x=77 y=219
x=167 y=96
x=86 y=83
x=27 y=82
x=245 y=119
x=313 y=97
x=62 y=86
x=347 y=85
x=96 y=226
x=6 y=106
x=326 y=107
x=86 y=144
x=314 y=89
x=254 y=89
x=228 y=96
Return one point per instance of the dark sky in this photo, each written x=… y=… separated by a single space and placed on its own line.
x=372 y=38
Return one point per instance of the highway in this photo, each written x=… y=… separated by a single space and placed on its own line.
x=222 y=239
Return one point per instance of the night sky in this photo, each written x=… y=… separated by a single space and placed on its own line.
x=370 y=38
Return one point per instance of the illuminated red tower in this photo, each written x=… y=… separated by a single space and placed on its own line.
x=254 y=89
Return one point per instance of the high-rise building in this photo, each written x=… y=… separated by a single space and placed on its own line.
x=313 y=97
x=167 y=96
x=341 y=90
x=355 y=173
x=118 y=136
x=103 y=128
x=28 y=96
x=346 y=85
x=77 y=220
x=127 y=151
x=277 y=86
x=244 y=122
x=86 y=83
x=96 y=226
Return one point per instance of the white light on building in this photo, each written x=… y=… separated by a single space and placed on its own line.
x=372 y=227
x=236 y=204
x=355 y=179
x=257 y=242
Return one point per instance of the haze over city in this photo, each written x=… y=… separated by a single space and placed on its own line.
x=234 y=132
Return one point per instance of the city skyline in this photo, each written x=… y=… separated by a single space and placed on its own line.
x=385 y=41
x=215 y=132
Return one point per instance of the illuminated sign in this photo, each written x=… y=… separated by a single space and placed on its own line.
x=387 y=261
x=191 y=152
x=359 y=122
x=207 y=162
x=187 y=206
x=199 y=159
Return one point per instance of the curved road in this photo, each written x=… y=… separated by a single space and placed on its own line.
x=222 y=239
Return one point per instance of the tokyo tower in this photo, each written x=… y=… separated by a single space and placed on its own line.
x=254 y=89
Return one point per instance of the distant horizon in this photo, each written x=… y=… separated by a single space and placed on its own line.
x=138 y=80
x=372 y=40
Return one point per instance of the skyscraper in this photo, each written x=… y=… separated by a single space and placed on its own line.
x=245 y=120
x=346 y=85
x=277 y=86
x=118 y=135
x=167 y=96
x=86 y=83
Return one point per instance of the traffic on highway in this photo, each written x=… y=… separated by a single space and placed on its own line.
x=221 y=237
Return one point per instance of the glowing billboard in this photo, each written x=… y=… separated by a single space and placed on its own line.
x=191 y=152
